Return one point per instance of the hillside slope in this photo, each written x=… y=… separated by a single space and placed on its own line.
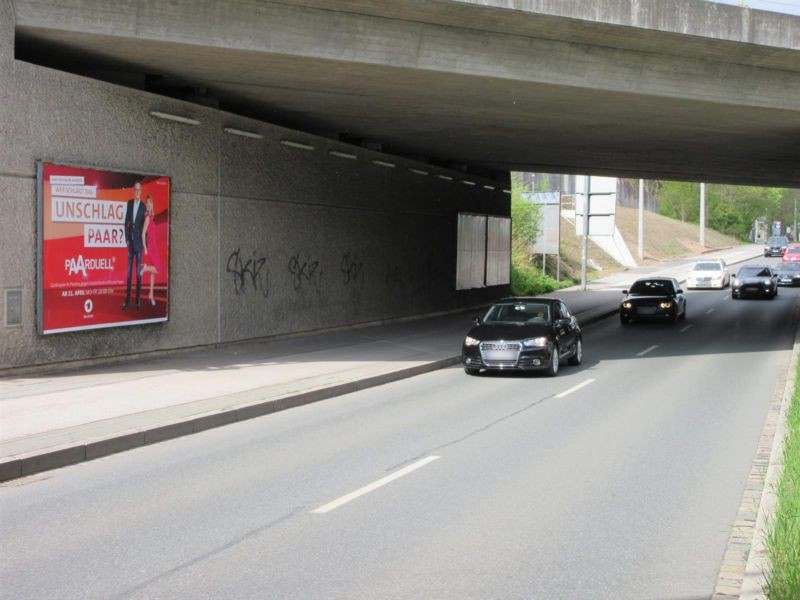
x=664 y=239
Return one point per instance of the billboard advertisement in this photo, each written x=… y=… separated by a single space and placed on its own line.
x=103 y=248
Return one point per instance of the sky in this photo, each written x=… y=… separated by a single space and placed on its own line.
x=791 y=7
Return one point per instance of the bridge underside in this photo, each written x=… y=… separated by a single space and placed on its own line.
x=481 y=88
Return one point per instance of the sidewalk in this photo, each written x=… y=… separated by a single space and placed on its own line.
x=49 y=421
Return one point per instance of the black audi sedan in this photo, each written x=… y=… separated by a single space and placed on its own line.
x=754 y=280
x=527 y=334
x=659 y=298
x=788 y=274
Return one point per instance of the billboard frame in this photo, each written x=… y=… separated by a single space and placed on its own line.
x=40 y=165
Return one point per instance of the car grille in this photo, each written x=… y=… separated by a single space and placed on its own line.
x=500 y=354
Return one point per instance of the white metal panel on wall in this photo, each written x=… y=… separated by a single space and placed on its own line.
x=471 y=260
x=498 y=251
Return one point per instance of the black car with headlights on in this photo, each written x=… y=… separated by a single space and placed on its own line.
x=754 y=280
x=659 y=298
x=788 y=274
x=776 y=245
x=526 y=334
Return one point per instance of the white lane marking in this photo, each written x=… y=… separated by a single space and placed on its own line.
x=374 y=485
x=725 y=297
x=574 y=388
x=687 y=328
x=646 y=350
x=710 y=310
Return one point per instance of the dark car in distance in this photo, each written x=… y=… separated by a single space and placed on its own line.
x=776 y=245
x=788 y=274
x=754 y=280
x=525 y=334
x=657 y=298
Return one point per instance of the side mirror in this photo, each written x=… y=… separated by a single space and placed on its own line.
x=624 y=291
x=733 y=274
x=680 y=291
x=476 y=320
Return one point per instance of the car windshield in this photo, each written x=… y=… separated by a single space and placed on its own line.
x=652 y=286
x=777 y=241
x=707 y=266
x=793 y=250
x=518 y=312
x=790 y=267
x=754 y=272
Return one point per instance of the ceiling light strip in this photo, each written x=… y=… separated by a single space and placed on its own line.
x=383 y=163
x=242 y=133
x=468 y=182
x=176 y=118
x=445 y=177
x=418 y=171
x=298 y=145
x=341 y=154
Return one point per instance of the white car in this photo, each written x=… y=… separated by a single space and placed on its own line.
x=709 y=274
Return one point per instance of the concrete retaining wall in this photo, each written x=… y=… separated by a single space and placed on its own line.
x=343 y=241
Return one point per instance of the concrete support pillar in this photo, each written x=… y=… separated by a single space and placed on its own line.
x=703 y=214
x=640 y=240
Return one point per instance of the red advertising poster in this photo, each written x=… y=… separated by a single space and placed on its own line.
x=104 y=255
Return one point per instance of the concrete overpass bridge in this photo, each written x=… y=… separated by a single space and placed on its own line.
x=370 y=127
x=678 y=89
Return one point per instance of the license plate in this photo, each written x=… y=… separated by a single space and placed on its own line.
x=500 y=355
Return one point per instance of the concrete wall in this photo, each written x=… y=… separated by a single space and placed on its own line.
x=343 y=241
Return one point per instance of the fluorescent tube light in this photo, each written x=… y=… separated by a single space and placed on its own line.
x=467 y=182
x=298 y=145
x=418 y=171
x=445 y=177
x=342 y=154
x=488 y=187
x=176 y=118
x=383 y=163
x=242 y=133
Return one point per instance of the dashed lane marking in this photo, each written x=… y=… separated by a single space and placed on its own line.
x=575 y=388
x=374 y=485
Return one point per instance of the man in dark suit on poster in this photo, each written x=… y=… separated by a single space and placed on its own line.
x=134 y=223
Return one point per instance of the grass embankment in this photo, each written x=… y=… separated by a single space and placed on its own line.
x=664 y=239
x=783 y=537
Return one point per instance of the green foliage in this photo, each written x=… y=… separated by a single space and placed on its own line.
x=680 y=200
x=525 y=221
x=730 y=209
x=783 y=537
x=529 y=281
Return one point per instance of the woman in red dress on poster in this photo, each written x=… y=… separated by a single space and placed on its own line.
x=152 y=260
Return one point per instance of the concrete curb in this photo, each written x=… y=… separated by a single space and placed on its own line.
x=30 y=463
x=746 y=563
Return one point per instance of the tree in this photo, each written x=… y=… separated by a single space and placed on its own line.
x=525 y=221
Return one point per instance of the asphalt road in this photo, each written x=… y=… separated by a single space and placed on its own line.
x=617 y=479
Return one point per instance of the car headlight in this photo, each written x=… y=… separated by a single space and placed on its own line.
x=537 y=342
x=665 y=304
x=627 y=305
x=471 y=341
